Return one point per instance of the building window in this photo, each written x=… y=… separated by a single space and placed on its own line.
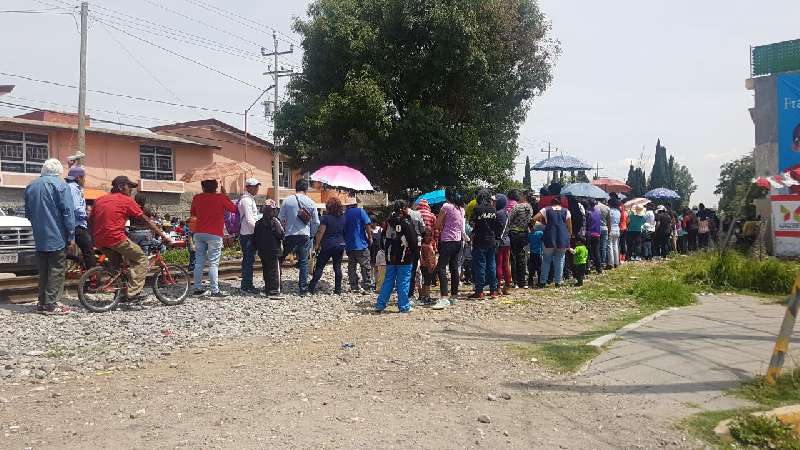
x=156 y=163
x=284 y=178
x=23 y=152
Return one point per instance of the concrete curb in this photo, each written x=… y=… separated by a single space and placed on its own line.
x=603 y=340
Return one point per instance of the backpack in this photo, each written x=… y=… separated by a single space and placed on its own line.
x=233 y=221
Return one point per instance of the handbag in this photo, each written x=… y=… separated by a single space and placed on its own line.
x=302 y=214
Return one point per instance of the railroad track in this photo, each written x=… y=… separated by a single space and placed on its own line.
x=25 y=289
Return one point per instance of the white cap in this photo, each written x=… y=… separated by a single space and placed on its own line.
x=661 y=208
x=252 y=182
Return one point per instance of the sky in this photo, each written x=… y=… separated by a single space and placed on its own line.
x=630 y=72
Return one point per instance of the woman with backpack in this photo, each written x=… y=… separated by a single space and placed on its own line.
x=400 y=245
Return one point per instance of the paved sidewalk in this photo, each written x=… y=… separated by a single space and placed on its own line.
x=692 y=354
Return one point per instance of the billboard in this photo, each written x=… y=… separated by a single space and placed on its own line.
x=786 y=225
x=788 y=120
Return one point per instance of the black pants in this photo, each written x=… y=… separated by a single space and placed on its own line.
x=84 y=242
x=594 y=253
x=414 y=266
x=691 y=238
x=623 y=243
x=534 y=268
x=580 y=273
x=703 y=240
x=663 y=244
x=326 y=255
x=519 y=258
x=448 y=258
x=634 y=239
x=271 y=270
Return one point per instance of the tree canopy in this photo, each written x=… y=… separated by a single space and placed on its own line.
x=416 y=94
x=666 y=173
x=637 y=180
x=526 y=179
x=735 y=178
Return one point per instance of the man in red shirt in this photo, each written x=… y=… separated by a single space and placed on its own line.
x=107 y=221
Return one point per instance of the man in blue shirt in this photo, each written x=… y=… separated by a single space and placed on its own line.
x=49 y=207
x=358 y=239
x=294 y=212
x=76 y=180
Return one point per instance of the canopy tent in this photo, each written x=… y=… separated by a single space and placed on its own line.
x=342 y=177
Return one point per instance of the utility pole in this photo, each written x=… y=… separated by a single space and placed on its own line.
x=277 y=74
x=549 y=151
x=82 y=85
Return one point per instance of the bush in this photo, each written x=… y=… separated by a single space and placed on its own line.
x=736 y=271
x=764 y=432
x=659 y=292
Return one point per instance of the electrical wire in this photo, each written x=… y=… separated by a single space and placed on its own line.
x=184 y=57
x=130 y=97
x=242 y=20
x=35 y=11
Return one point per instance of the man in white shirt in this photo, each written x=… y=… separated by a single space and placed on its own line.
x=248 y=216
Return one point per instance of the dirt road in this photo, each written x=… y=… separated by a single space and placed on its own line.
x=426 y=380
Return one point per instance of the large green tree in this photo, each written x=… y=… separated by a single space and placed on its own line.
x=734 y=187
x=681 y=181
x=416 y=94
x=526 y=179
x=637 y=180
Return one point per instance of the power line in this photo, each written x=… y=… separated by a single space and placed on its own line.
x=184 y=57
x=35 y=11
x=242 y=20
x=130 y=97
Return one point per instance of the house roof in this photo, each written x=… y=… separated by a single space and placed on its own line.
x=152 y=137
x=212 y=124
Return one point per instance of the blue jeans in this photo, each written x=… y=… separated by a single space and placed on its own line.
x=484 y=266
x=604 y=246
x=248 y=244
x=399 y=278
x=556 y=257
x=207 y=247
x=300 y=245
x=325 y=255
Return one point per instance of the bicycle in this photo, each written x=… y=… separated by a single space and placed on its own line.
x=101 y=288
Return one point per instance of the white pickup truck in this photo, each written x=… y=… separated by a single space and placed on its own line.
x=17 y=247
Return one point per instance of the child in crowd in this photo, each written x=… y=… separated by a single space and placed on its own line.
x=581 y=255
x=427 y=266
x=536 y=251
x=380 y=269
x=268 y=234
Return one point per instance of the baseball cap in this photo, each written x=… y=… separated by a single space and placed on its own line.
x=252 y=182
x=121 y=181
x=661 y=208
x=75 y=172
x=78 y=155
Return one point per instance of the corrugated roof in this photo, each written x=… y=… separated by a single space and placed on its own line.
x=153 y=137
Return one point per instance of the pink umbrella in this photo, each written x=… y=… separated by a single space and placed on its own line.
x=342 y=177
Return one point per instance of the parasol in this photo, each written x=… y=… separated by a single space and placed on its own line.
x=662 y=194
x=611 y=185
x=433 y=198
x=636 y=201
x=218 y=171
x=561 y=163
x=342 y=177
x=584 y=190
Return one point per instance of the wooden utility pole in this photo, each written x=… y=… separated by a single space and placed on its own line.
x=82 y=84
x=277 y=74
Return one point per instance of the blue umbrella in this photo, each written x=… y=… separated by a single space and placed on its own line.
x=584 y=190
x=662 y=194
x=433 y=198
x=561 y=163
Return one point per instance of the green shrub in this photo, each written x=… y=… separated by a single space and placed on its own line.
x=655 y=293
x=764 y=432
x=738 y=272
x=178 y=256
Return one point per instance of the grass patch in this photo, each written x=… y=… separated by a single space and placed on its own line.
x=563 y=355
x=785 y=391
x=736 y=272
x=764 y=432
x=656 y=292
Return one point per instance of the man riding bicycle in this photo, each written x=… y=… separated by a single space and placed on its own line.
x=109 y=215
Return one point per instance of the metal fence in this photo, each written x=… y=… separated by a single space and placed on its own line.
x=775 y=58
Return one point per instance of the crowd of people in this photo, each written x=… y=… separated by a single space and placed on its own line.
x=494 y=242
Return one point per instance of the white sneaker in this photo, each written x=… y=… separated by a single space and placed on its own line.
x=441 y=304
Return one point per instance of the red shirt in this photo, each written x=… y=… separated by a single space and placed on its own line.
x=210 y=212
x=109 y=214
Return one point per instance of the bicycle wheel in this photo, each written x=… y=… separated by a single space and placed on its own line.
x=99 y=290
x=171 y=285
